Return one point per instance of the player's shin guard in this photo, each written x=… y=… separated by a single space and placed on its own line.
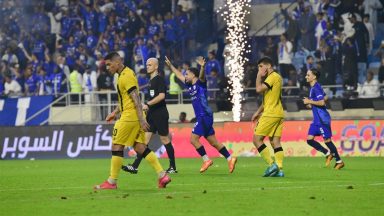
x=152 y=160
x=333 y=149
x=279 y=157
x=116 y=162
x=317 y=146
x=265 y=154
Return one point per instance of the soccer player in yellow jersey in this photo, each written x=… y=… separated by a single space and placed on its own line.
x=269 y=117
x=130 y=129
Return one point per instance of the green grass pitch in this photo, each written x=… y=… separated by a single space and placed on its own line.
x=64 y=187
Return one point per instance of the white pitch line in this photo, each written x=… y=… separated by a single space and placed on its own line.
x=39 y=189
x=375 y=184
x=271 y=182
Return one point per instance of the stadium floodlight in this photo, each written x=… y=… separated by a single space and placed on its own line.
x=234 y=14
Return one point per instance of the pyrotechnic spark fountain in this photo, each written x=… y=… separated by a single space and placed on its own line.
x=234 y=14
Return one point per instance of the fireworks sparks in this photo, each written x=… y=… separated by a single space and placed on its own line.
x=234 y=14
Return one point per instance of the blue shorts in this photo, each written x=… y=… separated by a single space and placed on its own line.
x=204 y=126
x=323 y=130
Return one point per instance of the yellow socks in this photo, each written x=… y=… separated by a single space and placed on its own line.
x=279 y=156
x=154 y=162
x=265 y=154
x=116 y=163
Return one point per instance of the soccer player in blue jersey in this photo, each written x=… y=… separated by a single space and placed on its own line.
x=321 y=124
x=196 y=84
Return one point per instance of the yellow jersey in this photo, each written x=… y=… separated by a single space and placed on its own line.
x=273 y=106
x=126 y=82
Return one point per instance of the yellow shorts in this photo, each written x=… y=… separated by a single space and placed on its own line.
x=269 y=126
x=127 y=133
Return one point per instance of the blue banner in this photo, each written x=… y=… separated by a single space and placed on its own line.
x=15 y=111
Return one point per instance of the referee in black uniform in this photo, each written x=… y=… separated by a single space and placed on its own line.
x=157 y=117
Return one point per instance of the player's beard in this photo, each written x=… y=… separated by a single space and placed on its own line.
x=188 y=81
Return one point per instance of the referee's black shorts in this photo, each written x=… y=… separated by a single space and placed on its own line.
x=158 y=121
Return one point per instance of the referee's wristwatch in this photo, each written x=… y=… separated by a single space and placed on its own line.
x=146 y=103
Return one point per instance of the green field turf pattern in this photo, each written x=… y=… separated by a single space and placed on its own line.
x=64 y=187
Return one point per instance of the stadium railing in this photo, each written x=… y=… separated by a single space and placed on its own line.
x=100 y=104
x=273 y=22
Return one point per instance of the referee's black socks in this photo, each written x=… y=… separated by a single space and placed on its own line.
x=171 y=155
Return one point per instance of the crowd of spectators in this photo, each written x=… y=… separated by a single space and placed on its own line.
x=57 y=46
x=333 y=36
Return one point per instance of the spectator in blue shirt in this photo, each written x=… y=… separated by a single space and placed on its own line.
x=143 y=81
x=102 y=18
x=170 y=28
x=40 y=21
x=39 y=48
x=66 y=25
x=153 y=28
x=44 y=82
x=142 y=34
x=90 y=17
x=91 y=41
x=58 y=81
x=78 y=33
x=153 y=49
x=140 y=54
x=213 y=63
x=182 y=22
x=81 y=58
x=31 y=83
x=70 y=51
x=213 y=81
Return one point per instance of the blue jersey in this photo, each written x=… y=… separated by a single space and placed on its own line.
x=153 y=29
x=213 y=64
x=320 y=113
x=198 y=93
x=32 y=83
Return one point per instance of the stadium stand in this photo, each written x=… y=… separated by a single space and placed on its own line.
x=44 y=43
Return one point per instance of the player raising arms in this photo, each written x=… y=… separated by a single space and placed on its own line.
x=321 y=124
x=270 y=124
x=197 y=87
x=129 y=129
x=157 y=117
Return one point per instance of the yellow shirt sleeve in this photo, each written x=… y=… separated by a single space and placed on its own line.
x=270 y=81
x=128 y=81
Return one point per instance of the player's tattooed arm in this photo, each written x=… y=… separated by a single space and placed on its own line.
x=139 y=109
x=178 y=74
x=116 y=110
x=111 y=116
x=201 y=61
